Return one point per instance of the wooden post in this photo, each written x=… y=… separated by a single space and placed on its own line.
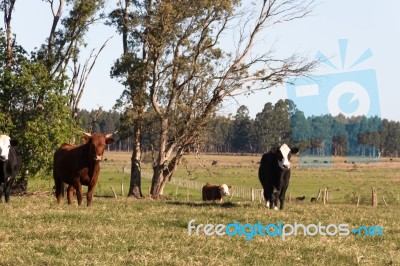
x=374 y=197
x=252 y=195
x=233 y=193
x=358 y=200
x=290 y=196
x=262 y=195
x=122 y=189
x=319 y=195
x=115 y=194
x=384 y=201
x=327 y=194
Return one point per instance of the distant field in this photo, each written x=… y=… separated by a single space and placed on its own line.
x=345 y=180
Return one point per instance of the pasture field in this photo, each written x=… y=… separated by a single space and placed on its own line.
x=34 y=230
x=346 y=181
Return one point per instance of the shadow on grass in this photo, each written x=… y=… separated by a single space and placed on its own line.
x=226 y=205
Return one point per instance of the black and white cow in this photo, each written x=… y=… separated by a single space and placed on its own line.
x=9 y=165
x=274 y=174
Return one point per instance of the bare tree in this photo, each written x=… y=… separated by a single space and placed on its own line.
x=7 y=6
x=79 y=79
x=64 y=43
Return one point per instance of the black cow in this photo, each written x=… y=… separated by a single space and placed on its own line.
x=9 y=165
x=274 y=174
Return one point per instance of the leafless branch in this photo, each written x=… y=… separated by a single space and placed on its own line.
x=76 y=88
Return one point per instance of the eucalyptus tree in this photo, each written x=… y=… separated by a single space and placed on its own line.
x=61 y=51
x=176 y=65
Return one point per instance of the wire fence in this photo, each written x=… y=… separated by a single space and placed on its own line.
x=253 y=194
x=256 y=194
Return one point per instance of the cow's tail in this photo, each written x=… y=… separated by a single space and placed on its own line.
x=58 y=182
x=59 y=186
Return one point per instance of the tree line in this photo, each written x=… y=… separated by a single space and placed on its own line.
x=282 y=122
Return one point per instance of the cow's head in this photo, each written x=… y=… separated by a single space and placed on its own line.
x=284 y=153
x=5 y=144
x=97 y=144
x=224 y=189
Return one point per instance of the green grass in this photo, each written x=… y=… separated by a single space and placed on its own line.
x=35 y=231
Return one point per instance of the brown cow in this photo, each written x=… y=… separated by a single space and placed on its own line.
x=79 y=165
x=215 y=192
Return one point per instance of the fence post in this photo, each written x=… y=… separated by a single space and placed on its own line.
x=115 y=194
x=374 y=197
x=384 y=201
x=319 y=195
x=325 y=195
x=262 y=195
x=252 y=195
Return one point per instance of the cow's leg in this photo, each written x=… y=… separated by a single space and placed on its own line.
x=8 y=191
x=274 y=204
x=284 y=186
x=268 y=198
x=89 y=195
x=79 y=194
x=282 y=197
x=70 y=193
x=1 y=192
x=282 y=200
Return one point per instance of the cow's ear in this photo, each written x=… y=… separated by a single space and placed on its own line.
x=294 y=150
x=13 y=142
x=229 y=187
x=110 y=140
x=85 y=139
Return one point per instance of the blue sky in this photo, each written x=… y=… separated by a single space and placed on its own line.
x=365 y=24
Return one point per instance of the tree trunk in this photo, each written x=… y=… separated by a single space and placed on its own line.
x=158 y=182
x=135 y=184
x=135 y=187
x=159 y=179
x=8 y=7
x=162 y=175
